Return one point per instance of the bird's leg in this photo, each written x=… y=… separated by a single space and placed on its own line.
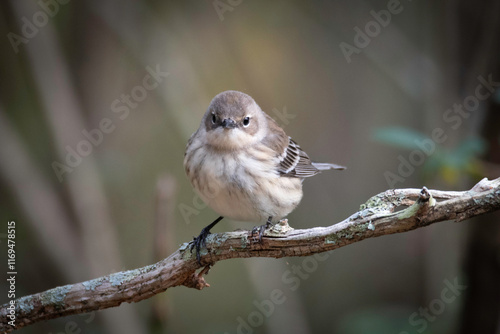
x=262 y=228
x=200 y=240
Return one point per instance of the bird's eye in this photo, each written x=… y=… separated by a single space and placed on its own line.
x=214 y=118
x=246 y=121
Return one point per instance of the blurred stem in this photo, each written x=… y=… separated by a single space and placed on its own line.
x=129 y=27
x=164 y=242
x=62 y=109
x=38 y=198
x=478 y=49
x=481 y=311
x=58 y=96
x=164 y=237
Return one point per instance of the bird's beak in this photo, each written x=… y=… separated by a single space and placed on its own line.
x=228 y=123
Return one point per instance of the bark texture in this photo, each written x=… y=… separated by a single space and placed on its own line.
x=377 y=217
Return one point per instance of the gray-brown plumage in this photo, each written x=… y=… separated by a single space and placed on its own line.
x=243 y=165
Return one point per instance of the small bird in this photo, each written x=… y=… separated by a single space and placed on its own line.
x=244 y=166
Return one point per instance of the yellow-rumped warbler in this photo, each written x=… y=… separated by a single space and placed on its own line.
x=244 y=166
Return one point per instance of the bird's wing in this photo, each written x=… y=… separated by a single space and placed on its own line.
x=294 y=162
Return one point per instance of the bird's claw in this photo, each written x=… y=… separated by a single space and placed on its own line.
x=260 y=230
x=198 y=243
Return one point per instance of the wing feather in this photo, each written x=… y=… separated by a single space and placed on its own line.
x=292 y=161
x=295 y=162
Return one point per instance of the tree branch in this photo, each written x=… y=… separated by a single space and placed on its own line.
x=376 y=217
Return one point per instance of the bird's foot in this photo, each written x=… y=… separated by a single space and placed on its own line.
x=200 y=241
x=260 y=229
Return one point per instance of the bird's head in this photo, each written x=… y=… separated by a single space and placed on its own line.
x=233 y=120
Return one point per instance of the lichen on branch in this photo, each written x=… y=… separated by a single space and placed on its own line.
x=377 y=217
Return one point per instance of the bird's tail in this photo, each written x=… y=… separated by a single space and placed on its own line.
x=326 y=166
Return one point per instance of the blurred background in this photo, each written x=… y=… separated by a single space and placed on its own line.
x=98 y=100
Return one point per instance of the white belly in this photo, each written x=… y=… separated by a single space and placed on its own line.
x=243 y=188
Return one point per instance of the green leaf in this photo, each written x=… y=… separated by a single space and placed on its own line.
x=470 y=148
x=399 y=137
